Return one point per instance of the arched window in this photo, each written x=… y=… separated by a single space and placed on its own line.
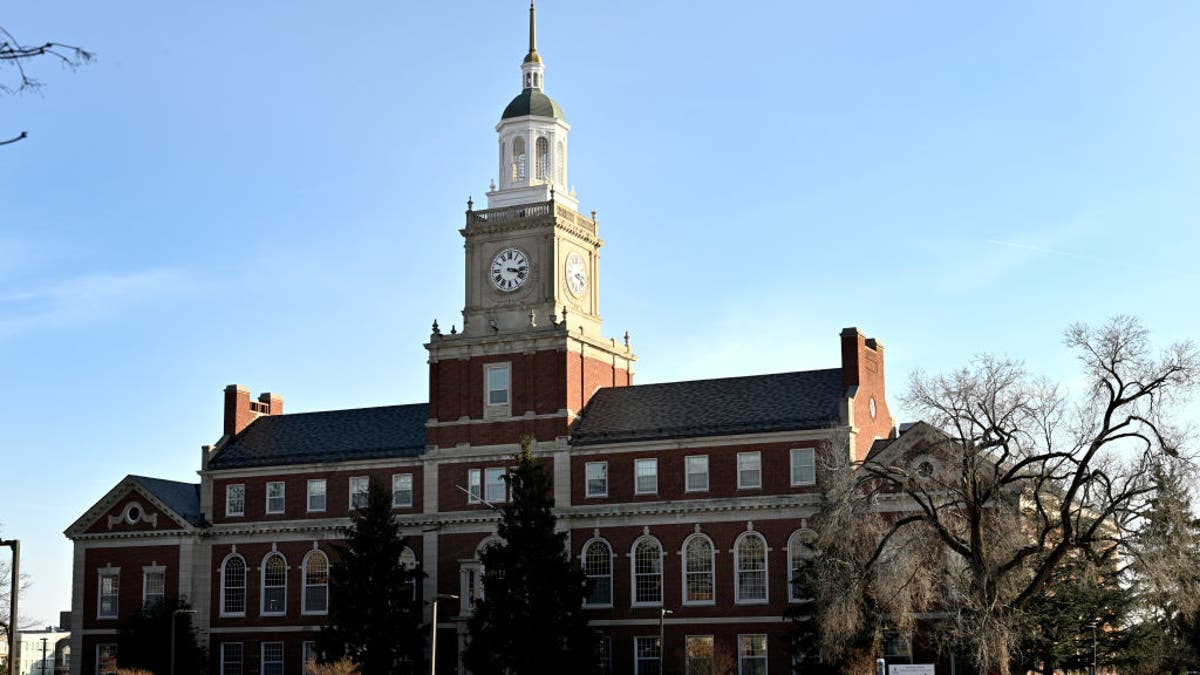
x=518 y=158
x=698 y=584
x=750 y=553
x=799 y=553
x=233 y=585
x=560 y=164
x=274 y=585
x=597 y=567
x=408 y=561
x=543 y=158
x=647 y=572
x=316 y=584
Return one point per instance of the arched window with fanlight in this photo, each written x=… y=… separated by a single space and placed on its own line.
x=233 y=585
x=408 y=561
x=560 y=164
x=274 y=585
x=543 y=158
x=750 y=559
x=518 y=158
x=316 y=584
x=698 y=567
x=800 y=552
x=647 y=572
x=597 y=567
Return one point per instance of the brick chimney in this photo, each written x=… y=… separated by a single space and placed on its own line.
x=862 y=376
x=240 y=411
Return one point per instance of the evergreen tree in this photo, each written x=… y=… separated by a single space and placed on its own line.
x=373 y=617
x=529 y=620
x=144 y=640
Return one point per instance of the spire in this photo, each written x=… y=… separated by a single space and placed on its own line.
x=532 y=55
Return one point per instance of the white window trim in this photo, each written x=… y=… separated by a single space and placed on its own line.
x=737 y=591
x=473 y=498
x=350 y=484
x=245 y=583
x=497 y=409
x=228 y=511
x=99 y=645
x=612 y=568
x=304 y=610
x=262 y=585
x=711 y=638
x=712 y=574
x=410 y=491
x=504 y=490
x=636 y=661
x=587 y=483
x=707 y=475
x=153 y=569
x=262 y=655
x=766 y=657
x=100 y=574
x=267 y=495
x=662 y=562
x=792 y=466
x=797 y=535
x=309 y=495
x=754 y=453
x=242 y=665
x=636 y=491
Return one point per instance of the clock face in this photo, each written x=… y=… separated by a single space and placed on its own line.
x=510 y=269
x=576 y=274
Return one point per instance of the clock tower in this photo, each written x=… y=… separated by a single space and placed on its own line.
x=530 y=352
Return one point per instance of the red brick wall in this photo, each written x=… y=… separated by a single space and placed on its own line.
x=862 y=366
x=164 y=522
x=453 y=475
x=337 y=494
x=293 y=649
x=725 y=639
x=130 y=559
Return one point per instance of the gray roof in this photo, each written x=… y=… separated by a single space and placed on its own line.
x=734 y=405
x=182 y=498
x=532 y=102
x=334 y=435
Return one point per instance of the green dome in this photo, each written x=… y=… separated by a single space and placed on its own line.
x=533 y=102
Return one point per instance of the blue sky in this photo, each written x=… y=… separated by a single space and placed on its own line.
x=270 y=194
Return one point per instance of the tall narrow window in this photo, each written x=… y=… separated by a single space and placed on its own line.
x=560 y=164
x=316 y=494
x=402 y=490
x=699 y=655
x=474 y=486
x=272 y=658
x=106 y=659
x=597 y=566
x=604 y=655
x=154 y=587
x=233 y=586
x=275 y=497
x=698 y=581
x=235 y=500
x=543 y=158
x=645 y=476
x=110 y=584
x=408 y=561
x=647 y=653
x=274 y=585
x=316 y=584
x=597 y=479
x=749 y=466
x=799 y=553
x=308 y=655
x=750 y=552
x=804 y=469
x=518 y=158
x=497 y=384
x=696 y=470
x=358 y=491
x=647 y=572
x=752 y=655
x=231 y=658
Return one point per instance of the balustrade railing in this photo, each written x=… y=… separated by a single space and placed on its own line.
x=535 y=210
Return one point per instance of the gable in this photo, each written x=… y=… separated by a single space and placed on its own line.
x=141 y=505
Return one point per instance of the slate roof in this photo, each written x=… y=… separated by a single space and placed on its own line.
x=532 y=102
x=333 y=435
x=182 y=498
x=735 y=405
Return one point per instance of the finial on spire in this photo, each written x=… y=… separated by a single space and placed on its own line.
x=533 y=55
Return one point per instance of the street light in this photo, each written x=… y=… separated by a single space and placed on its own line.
x=174 y=615
x=433 y=631
x=662 y=646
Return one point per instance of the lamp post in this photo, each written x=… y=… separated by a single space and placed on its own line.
x=43 y=656
x=14 y=645
x=174 y=615
x=1095 y=669
x=433 y=631
x=662 y=645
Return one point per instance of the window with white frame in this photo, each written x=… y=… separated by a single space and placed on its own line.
x=474 y=486
x=235 y=500
x=231 y=658
x=274 y=585
x=308 y=655
x=233 y=586
x=647 y=572
x=316 y=494
x=408 y=562
x=316 y=584
x=109 y=593
x=106 y=658
x=698 y=582
x=604 y=655
x=804 y=466
x=597 y=567
x=154 y=586
x=596 y=477
x=699 y=655
x=752 y=655
x=647 y=656
x=799 y=553
x=275 y=497
x=749 y=465
x=696 y=473
x=645 y=476
x=498 y=384
x=518 y=158
x=402 y=490
x=272 y=658
x=750 y=554
x=543 y=158
x=358 y=491
x=494 y=486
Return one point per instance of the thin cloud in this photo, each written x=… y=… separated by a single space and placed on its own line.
x=1050 y=251
x=81 y=300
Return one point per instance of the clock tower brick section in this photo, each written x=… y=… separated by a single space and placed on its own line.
x=692 y=496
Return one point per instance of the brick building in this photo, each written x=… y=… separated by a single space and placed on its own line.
x=690 y=497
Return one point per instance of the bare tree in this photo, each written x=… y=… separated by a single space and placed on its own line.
x=1019 y=479
x=16 y=54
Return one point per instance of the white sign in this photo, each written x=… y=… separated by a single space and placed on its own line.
x=914 y=669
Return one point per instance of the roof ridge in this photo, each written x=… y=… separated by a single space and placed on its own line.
x=729 y=378
x=161 y=480
x=340 y=410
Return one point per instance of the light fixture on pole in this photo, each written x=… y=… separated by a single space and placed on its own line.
x=174 y=615
x=14 y=645
x=662 y=651
x=433 y=631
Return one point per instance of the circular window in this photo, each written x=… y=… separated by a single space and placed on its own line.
x=925 y=469
x=133 y=513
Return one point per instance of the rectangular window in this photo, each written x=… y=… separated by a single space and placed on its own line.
x=604 y=655
x=645 y=476
x=231 y=658
x=402 y=496
x=597 y=478
x=474 y=486
x=106 y=659
x=699 y=655
x=316 y=494
x=495 y=486
x=497 y=383
x=110 y=583
x=358 y=491
x=696 y=470
x=272 y=658
x=749 y=470
x=154 y=587
x=308 y=652
x=646 y=656
x=752 y=655
x=804 y=466
x=275 y=497
x=235 y=500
